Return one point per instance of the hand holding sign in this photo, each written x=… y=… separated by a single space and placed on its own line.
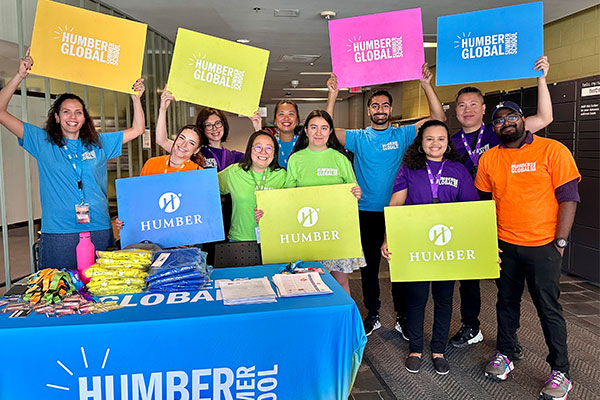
x=542 y=65
x=139 y=88
x=25 y=65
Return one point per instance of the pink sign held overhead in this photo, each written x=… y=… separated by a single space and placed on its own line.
x=377 y=48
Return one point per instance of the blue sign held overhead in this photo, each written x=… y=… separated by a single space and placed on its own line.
x=171 y=209
x=490 y=45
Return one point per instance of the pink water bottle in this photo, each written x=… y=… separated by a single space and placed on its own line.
x=86 y=255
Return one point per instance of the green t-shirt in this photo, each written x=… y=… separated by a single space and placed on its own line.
x=318 y=168
x=242 y=185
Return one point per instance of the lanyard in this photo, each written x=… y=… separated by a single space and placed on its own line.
x=435 y=183
x=167 y=162
x=262 y=181
x=294 y=140
x=77 y=164
x=220 y=164
x=473 y=155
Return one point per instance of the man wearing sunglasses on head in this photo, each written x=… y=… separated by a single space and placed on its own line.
x=474 y=139
x=533 y=181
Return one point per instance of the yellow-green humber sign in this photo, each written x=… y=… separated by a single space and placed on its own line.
x=442 y=242
x=309 y=223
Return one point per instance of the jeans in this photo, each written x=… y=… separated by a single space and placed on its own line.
x=470 y=302
x=417 y=294
x=539 y=267
x=57 y=250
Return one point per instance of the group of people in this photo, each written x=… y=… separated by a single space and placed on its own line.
x=532 y=179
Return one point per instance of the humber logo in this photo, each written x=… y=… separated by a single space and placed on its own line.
x=440 y=235
x=308 y=216
x=169 y=202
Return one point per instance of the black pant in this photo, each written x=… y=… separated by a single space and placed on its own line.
x=470 y=302
x=540 y=268
x=417 y=294
x=372 y=231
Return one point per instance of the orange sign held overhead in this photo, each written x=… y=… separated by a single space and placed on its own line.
x=87 y=47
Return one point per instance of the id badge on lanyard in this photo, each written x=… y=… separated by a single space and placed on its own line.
x=82 y=209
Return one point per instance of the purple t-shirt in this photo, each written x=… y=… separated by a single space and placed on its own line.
x=488 y=140
x=456 y=183
x=220 y=158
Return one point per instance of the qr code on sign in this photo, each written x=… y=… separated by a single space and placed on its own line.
x=112 y=55
x=510 y=43
x=397 y=47
x=238 y=78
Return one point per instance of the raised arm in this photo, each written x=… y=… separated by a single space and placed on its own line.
x=332 y=93
x=544 y=116
x=436 y=111
x=138 y=126
x=10 y=122
x=162 y=136
x=256 y=120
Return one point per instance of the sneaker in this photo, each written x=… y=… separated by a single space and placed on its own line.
x=401 y=327
x=441 y=366
x=413 y=364
x=371 y=323
x=518 y=353
x=466 y=336
x=499 y=367
x=556 y=387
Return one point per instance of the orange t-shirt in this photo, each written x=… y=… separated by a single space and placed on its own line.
x=159 y=165
x=522 y=182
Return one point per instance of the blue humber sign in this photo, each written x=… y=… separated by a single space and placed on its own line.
x=171 y=209
x=490 y=45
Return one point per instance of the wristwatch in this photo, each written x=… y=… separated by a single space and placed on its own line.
x=561 y=243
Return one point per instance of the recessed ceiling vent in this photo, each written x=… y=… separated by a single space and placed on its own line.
x=299 y=58
x=287 y=12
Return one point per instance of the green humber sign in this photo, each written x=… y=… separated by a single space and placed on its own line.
x=309 y=223
x=442 y=242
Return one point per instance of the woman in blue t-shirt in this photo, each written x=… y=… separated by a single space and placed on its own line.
x=430 y=173
x=71 y=158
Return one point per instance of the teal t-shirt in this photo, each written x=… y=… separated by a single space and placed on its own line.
x=58 y=179
x=377 y=157
x=242 y=186
x=317 y=168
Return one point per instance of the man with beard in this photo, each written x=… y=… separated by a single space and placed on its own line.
x=533 y=181
x=471 y=142
x=378 y=151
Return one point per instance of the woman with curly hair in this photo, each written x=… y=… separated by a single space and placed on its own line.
x=431 y=172
x=71 y=158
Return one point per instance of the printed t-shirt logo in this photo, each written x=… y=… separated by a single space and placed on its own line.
x=440 y=235
x=375 y=49
x=308 y=216
x=217 y=74
x=390 y=146
x=523 y=167
x=500 y=44
x=169 y=202
x=88 y=48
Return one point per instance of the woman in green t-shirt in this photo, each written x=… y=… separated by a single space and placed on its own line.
x=259 y=170
x=319 y=159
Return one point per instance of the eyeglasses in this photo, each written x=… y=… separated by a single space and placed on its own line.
x=509 y=118
x=259 y=147
x=216 y=125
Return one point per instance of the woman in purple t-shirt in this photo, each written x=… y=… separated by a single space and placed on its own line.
x=430 y=173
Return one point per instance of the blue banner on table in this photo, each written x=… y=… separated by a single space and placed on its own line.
x=171 y=209
x=150 y=348
x=490 y=45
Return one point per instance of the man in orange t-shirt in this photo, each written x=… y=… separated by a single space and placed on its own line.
x=533 y=181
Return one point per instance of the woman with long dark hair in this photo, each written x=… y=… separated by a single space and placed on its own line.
x=259 y=170
x=71 y=158
x=319 y=159
x=431 y=172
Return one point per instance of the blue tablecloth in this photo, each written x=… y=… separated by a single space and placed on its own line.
x=188 y=345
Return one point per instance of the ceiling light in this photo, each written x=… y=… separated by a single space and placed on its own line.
x=315 y=73
x=302 y=98
x=299 y=58
x=287 y=12
x=429 y=44
x=243 y=40
x=312 y=89
x=328 y=15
